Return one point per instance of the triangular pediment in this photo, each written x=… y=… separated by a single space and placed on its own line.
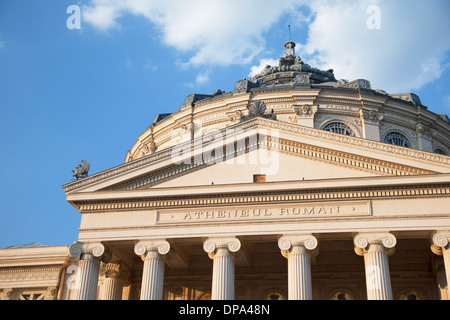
x=281 y=151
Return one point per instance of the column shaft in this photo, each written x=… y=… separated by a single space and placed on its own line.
x=112 y=288
x=299 y=273
x=441 y=246
x=298 y=250
x=87 y=281
x=223 y=275
x=222 y=250
x=446 y=256
x=375 y=248
x=152 y=252
x=90 y=255
x=378 y=281
x=153 y=276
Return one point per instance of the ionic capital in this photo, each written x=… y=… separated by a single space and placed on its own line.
x=212 y=244
x=440 y=240
x=288 y=242
x=161 y=246
x=93 y=249
x=376 y=241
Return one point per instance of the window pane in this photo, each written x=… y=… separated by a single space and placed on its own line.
x=397 y=139
x=338 y=127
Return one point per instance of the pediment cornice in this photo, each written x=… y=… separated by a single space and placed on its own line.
x=379 y=158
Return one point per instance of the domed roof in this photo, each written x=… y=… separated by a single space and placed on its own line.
x=291 y=69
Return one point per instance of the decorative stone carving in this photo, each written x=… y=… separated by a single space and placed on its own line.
x=245 y=84
x=363 y=240
x=211 y=244
x=142 y=247
x=424 y=130
x=51 y=293
x=82 y=170
x=370 y=116
x=440 y=240
x=234 y=116
x=285 y=243
x=258 y=109
x=302 y=79
x=95 y=249
x=355 y=84
x=7 y=294
x=306 y=111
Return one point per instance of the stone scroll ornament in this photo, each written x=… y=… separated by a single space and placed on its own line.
x=363 y=240
x=82 y=170
x=440 y=240
x=96 y=249
x=162 y=246
x=211 y=244
x=310 y=242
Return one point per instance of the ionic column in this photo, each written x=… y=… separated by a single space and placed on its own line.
x=298 y=249
x=151 y=253
x=441 y=247
x=222 y=250
x=375 y=248
x=115 y=276
x=90 y=255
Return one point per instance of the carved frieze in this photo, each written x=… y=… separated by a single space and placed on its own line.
x=306 y=111
x=370 y=116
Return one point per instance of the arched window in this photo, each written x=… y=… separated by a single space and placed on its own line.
x=397 y=139
x=440 y=151
x=338 y=127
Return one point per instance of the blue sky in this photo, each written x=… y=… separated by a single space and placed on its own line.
x=73 y=94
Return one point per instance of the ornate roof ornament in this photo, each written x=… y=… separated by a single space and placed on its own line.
x=291 y=69
x=290 y=46
x=258 y=109
x=82 y=170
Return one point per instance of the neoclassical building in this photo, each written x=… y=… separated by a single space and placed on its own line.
x=295 y=185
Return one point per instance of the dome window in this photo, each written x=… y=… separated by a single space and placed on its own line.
x=338 y=127
x=440 y=151
x=397 y=139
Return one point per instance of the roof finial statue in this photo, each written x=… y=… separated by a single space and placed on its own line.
x=290 y=46
x=82 y=170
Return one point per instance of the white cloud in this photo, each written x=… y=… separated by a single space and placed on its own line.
x=407 y=51
x=202 y=78
x=254 y=70
x=212 y=32
x=103 y=17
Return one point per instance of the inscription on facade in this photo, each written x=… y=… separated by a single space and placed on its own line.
x=265 y=213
